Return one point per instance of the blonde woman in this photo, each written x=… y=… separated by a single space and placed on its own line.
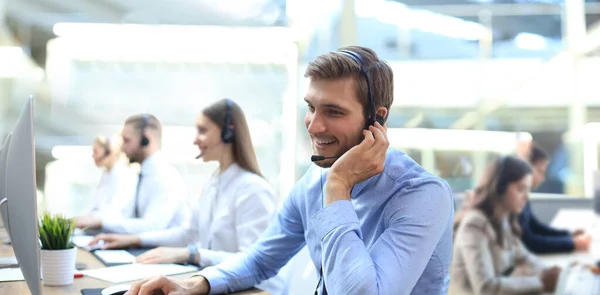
x=118 y=184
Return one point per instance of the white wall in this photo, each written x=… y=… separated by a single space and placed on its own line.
x=460 y=83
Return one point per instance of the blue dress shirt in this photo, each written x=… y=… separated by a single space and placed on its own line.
x=393 y=237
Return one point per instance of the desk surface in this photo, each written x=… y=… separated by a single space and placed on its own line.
x=20 y=287
x=572 y=219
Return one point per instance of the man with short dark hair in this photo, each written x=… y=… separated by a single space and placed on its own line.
x=374 y=221
x=538 y=237
x=161 y=196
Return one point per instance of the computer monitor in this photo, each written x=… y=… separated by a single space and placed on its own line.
x=19 y=208
x=3 y=154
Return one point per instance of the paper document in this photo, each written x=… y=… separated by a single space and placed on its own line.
x=115 y=256
x=136 y=271
x=84 y=241
x=8 y=260
x=11 y=274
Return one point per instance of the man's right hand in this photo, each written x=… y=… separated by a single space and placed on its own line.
x=197 y=285
x=582 y=242
x=116 y=241
x=550 y=278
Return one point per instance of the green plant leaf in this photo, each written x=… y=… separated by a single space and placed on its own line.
x=56 y=232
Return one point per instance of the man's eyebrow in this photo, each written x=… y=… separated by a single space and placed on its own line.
x=335 y=107
x=329 y=106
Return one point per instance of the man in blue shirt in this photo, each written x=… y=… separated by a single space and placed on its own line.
x=374 y=221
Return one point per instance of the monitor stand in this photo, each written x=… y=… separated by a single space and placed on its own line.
x=4 y=213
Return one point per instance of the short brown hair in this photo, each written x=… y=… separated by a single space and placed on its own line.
x=152 y=123
x=537 y=154
x=336 y=65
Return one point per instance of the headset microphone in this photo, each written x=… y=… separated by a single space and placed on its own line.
x=207 y=149
x=202 y=153
x=321 y=158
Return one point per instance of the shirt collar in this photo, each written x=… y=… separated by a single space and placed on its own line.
x=231 y=172
x=116 y=168
x=151 y=163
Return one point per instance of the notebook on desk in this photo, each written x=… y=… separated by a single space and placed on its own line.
x=134 y=272
x=119 y=257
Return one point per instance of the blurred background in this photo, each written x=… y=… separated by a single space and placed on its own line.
x=474 y=79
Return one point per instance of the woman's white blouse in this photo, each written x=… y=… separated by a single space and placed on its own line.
x=233 y=211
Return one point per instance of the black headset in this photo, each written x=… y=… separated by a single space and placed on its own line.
x=363 y=70
x=500 y=170
x=144 y=140
x=227 y=130
x=107 y=147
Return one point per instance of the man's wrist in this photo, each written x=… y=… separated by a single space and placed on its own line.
x=197 y=285
x=337 y=189
x=136 y=241
x=193 y=256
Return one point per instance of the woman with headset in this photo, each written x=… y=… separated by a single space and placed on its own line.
x=118 y=184
x=235 y=207
x=489 y=257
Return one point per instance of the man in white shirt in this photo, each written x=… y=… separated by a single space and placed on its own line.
x=160 y=201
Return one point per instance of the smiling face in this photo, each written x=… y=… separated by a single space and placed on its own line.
x=208 y=139
x=335 y=117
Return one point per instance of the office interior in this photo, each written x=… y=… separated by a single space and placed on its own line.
x=473 y=80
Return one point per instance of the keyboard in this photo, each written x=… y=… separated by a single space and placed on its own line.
x=578 y=280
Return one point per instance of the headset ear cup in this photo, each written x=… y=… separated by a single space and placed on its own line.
x=227 y=135
x=380 y=119
x=145 y=141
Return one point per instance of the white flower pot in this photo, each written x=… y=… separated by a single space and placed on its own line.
x=58 y=266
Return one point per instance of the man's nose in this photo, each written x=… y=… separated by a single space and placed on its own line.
x=316 y=124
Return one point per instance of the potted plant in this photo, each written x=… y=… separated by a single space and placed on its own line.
x=58 y=253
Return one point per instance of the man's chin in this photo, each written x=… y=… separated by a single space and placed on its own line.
x=327 y=163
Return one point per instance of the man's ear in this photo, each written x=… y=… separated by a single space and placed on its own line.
x=381 y=113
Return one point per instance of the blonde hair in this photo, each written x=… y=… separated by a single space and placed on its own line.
x=110 y=144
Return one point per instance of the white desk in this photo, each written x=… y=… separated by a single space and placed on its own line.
x=572 y=219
